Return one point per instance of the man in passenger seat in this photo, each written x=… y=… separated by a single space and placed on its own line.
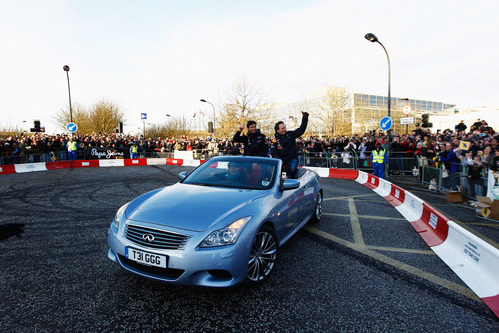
x=284 y=144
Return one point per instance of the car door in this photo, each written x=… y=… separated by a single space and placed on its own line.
x=288 y=213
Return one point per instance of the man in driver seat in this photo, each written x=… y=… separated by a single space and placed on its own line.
x=237 y=173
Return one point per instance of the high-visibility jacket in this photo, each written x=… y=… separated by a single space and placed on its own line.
x=135 y=149
x=73 y=146
x=378 y=157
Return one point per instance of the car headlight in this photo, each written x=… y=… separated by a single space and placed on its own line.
x=120 y=216
x=227 y=235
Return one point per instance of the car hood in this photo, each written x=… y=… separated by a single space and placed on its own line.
x=191 y=207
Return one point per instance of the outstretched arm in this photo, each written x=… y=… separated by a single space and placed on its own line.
x=303 y=127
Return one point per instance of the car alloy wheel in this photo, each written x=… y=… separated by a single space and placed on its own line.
x=318 y=209
x=263 y=255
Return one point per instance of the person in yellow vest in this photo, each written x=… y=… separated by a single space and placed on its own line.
x=379 y=158
x=72 y=147
x=134 y=150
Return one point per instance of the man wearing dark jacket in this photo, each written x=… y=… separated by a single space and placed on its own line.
x=254 y=143
x=451 y=163
x=284 y=145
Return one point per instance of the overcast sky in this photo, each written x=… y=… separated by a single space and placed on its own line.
x=161 y=57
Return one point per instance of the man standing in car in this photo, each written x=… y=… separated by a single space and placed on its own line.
x=254 y=143
x=284 y=144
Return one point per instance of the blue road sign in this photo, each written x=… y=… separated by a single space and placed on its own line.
x=143 y=116
x=386 y=123
x=71 y=127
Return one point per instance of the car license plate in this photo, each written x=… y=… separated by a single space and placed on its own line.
x=146 y=258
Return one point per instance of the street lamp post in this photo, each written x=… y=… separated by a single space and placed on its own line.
x=372 y=38
x=168 y=115
x=214 y=118
x=66 y=69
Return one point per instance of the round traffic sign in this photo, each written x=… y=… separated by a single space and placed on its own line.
x=406 y=110
x=71 y=127
x=386 y=123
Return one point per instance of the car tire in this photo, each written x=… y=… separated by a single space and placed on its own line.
x=263 y=255
x=317 y=210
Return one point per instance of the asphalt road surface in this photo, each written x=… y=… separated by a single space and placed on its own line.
x=361 y=269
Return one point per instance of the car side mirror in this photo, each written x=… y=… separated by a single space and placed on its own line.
x=182 y=175
x=290 y=184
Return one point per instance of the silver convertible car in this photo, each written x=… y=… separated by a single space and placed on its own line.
x=220 y=225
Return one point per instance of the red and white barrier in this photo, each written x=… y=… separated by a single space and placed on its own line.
x=322 y=172
x=475 y=261
x=156 y=161
x=384 y=188
x=112 y=163
x=194 y=163
x=362 y=177
x=44 y=166
x=396 y=196
x=30 y=167
x=411 y=208
x=6 y=169
x=134 y=162
x=174 y=161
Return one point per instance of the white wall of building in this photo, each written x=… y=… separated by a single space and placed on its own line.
x=469 y=115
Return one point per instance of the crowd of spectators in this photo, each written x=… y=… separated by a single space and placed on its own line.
x=427 y=146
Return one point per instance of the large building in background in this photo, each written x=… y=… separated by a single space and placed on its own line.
x=367 y=110
x=357 y=113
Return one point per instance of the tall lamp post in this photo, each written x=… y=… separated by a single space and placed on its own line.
x=372 y=38
x=169 y=115
x=66 y=69
x=214 y=119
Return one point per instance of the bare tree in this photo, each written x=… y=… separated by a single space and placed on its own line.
x=81 y=118
x=245 y=102
x=105 y=117
x=174 y=128
x=334 y=111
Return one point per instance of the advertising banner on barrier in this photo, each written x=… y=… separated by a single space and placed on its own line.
x=106 y=153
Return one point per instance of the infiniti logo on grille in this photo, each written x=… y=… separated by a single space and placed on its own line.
x=148 y=237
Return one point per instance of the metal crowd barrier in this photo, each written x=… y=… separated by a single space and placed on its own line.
x=441 y=180
x=345 y=160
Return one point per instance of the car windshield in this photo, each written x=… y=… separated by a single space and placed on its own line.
x=244 y=173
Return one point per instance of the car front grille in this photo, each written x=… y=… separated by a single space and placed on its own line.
x=170 y=273
x=154 y=238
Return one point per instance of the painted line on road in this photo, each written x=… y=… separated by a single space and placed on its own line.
x=349 y=196
x=493 y=225
x=354 y=221
x=399 y=249
x=370 y=217
x=457 y=288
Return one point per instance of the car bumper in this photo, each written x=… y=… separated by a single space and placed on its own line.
x=215 y=267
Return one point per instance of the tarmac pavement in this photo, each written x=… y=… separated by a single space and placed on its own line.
x=361 y=269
